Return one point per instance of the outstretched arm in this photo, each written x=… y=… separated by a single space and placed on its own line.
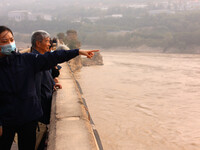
x=48 y=60
x=88 y=53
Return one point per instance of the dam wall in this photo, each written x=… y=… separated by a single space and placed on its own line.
x=71 y=127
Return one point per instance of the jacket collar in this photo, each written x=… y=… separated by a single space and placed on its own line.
x=35 y=51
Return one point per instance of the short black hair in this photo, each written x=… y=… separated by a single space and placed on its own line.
x=4 y=28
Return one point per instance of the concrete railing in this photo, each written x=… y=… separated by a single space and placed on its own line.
x=70 y=126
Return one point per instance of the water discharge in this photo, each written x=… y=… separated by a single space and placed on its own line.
x=142 y=101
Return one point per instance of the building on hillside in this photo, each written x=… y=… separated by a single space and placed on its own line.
x=161 y=11
x=93 y=19
x=193 y=4
x=34 y=17
x=117 y=15
x=21 y=15
x=137 y=6
x=18 y=15
x=114 y=16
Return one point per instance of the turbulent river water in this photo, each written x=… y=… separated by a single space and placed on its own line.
x=141 y=101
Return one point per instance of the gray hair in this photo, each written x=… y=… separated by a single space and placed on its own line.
x=38 y=35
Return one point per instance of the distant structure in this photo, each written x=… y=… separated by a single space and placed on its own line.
x=71 y=35
x=72 y=39
x=20 y=15
x=162 y=11
x=97 y=59
x=73 y=43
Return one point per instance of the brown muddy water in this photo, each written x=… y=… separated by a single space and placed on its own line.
x=141 y=101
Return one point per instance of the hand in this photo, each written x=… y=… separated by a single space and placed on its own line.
x=55 y=80
x=88 y=53
x=57 y=86
x=1 y=131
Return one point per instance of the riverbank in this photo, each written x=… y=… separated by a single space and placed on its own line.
x=145 y=49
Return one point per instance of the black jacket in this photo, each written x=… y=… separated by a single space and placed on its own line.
x=44 y=89
x=18 y=99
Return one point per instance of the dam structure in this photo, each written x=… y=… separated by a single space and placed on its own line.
x=71 y=126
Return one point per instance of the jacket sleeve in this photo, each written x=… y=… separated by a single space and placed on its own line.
x=51 y=59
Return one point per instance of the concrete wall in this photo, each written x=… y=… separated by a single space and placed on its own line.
x=70 y=128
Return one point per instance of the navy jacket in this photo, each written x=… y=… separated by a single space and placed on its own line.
x=19 y=103
x=44 y=89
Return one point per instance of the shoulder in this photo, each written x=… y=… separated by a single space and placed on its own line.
x=28 y=58
x=29 y=55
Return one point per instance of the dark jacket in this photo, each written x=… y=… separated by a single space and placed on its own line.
x=44 y=89
x=18 y=99
x=55 y=72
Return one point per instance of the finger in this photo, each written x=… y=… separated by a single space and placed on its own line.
x=94 y=50
x=89 y=53
x=89 y=56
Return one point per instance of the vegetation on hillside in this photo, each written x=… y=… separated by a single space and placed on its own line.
x=136 y=28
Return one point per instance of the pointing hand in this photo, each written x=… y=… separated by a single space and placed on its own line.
x=88 y=53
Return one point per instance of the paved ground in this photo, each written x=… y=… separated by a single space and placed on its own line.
x=14 y=146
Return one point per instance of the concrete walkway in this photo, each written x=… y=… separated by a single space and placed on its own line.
x=70 y=128
x=14 y=146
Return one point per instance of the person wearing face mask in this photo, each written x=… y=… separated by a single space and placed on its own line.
x=20 y=108
x=8 y=48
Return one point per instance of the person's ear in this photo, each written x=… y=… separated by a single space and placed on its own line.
x=38 y=43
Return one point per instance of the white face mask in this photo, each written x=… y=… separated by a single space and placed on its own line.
x=8 y=48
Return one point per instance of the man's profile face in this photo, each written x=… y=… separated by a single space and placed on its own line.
x=44 y=45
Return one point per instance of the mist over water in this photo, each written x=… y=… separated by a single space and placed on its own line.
x=145 y=101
